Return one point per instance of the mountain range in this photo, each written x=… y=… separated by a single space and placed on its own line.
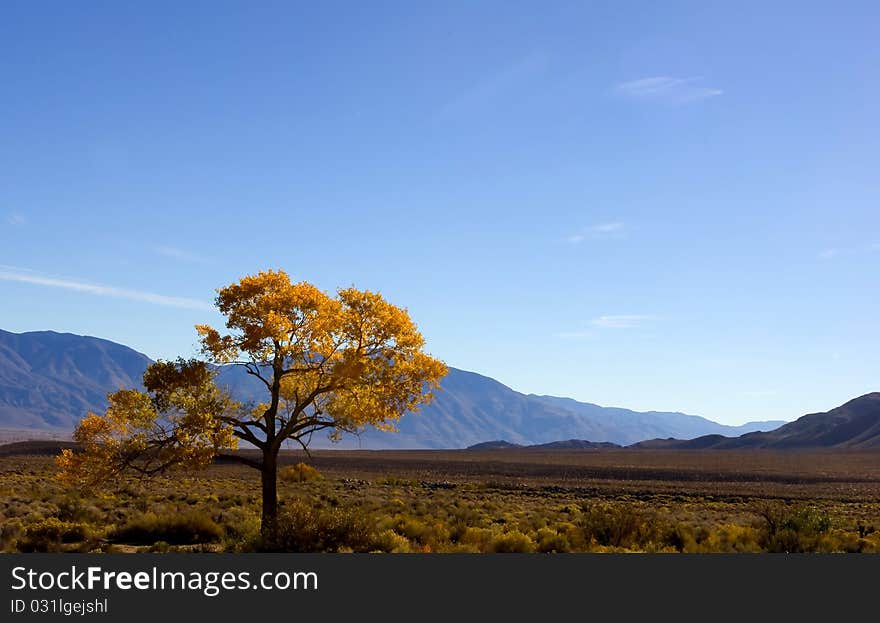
x=568 y=444
x=49 y=380
x=853 y=425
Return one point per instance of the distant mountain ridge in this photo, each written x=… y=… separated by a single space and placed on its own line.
x=472 y=408
x=632 y=424
x=853 y=425
x=568 y=444
x=49 y=381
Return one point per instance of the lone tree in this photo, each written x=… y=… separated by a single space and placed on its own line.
x=338 y=363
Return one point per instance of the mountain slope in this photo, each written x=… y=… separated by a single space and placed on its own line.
x=472 y=408
x=635 y=425
x=855 y=425
x=50 y=380
x=469 y=409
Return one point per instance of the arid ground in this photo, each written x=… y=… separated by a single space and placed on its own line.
x=463 y=501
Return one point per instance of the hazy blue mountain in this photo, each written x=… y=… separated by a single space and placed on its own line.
x=854 y=425
x=497 y=444
x=568 y=444
x=50 y=380
x=575 y=444
x=469 y=409
x=633 y=425
x=473 y=408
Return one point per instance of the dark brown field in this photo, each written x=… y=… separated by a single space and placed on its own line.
x=853 y=476
x=491 y=500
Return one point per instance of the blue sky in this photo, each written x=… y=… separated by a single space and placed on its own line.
x=650 y=205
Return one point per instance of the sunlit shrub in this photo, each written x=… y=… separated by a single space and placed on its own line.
x=621 y=526
x=793 y=529
x=432 y=535
x=390 y=541
x=301 y=472
x=477 y=538
x=733 y=539
x=10 y=530
x=185 y=528
x=549 y=540
x=303 y=528
x=511 y=542
x=50 y=534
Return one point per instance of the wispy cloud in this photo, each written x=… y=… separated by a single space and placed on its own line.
x=833 y=252
x=492 y=90
x=605 y=228
x=624 y=321
x=602 y=323
x=22 y=275
x=15 y=218
x=183 y=255
x=666 y=89
x=597 y=231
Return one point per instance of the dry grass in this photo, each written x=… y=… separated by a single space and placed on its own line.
x=467 y=502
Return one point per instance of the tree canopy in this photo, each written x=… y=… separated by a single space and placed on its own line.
x=336 y=363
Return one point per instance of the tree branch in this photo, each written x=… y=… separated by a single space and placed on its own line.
x=305 y=446
x=254 y=370
x=248 y=436
x=292 y=426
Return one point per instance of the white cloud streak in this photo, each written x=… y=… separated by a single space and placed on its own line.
x=20 y=275
x=15 y=219
x=833 y=252
x=597 y=231
x=624 y=321
x=666 y=89
x=606 y=228
x=601 y=323
x=493 y=89
x=176 y=253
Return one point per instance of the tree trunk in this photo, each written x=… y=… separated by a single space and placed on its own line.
x=269 y=475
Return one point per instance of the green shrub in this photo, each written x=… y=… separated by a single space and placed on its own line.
x=50 y=534
x=186 y=528
x=432 y=536
x=728 y=538
x=390 y=541
x=477 y=538
x=242 y=529
x=303 y=528
x=549 y=540
x=511 y=542
x=793 y=529
x=574 y=535
x=621 y=526
x=299 y=473
x=10 y=530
